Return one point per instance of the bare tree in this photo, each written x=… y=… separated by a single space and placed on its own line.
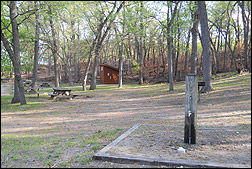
x=246 y=24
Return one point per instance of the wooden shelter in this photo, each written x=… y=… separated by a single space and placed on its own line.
x=108 y=74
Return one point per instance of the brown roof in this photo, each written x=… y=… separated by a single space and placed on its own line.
x=105 y=65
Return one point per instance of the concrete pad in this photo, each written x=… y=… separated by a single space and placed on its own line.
x=157 y=145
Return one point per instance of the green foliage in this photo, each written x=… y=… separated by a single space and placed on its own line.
x=65 y=164
x=135 y=66
x=6 y=64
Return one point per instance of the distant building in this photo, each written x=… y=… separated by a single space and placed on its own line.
x=108 y=74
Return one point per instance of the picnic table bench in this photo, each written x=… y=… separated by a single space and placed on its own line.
x=61 y=91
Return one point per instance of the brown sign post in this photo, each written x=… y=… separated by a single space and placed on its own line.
x=191 y=89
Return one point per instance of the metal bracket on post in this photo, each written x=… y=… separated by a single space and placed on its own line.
x=190 y=119
x=190 y=129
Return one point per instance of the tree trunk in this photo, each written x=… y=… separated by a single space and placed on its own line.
x=59 y=72
x=121 y=56
x=245 y=21
x=14 y=54
x=36 y=50
x=145 y=52
x=187 y=49
x=120 y=69
x=215 y=57
x=94 y=74
x=217 y=54
x=213 y=62
x=69 y=63
x=78 y=64
x=141 y=49
x=74 y=52
x=195 y=17
x=84 y=82
x=206 y=47
x=49 y=64
x=54 y=50
x=168 y=29
x=225 y=54
x=129 y=57
x=173 y=48
x=178 y=49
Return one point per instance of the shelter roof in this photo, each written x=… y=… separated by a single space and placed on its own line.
x=105 y=65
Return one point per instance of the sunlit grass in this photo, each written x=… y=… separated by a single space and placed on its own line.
x=47 y=149
x=234 y=80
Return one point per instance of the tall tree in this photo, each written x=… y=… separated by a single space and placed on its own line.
x=205 y=46
x=101 y=36
x=187 y=49
x=54 y=47
x=141 y=45
x=13 y=50
x=85 y=75
x=168 y=29
x=36 y=49
x=168 y=26
x=195 y=18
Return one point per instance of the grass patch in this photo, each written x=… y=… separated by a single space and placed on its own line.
x=12 y=141
x=48 y=163
x=232 y=81
x=48 y=150
x=101 y=137
x=32 y=104
x=66 y=164
x=95 y=148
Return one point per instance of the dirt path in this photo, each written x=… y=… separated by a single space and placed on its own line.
x=226 y=107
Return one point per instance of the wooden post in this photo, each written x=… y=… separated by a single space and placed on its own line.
x=191 y=89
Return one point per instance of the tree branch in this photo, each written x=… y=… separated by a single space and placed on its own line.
x=6 y=27
x=26 y=17
x=7 y=46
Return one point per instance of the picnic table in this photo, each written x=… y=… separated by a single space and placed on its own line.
x=45 y=84
x=27 y=85
x=62 y=91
